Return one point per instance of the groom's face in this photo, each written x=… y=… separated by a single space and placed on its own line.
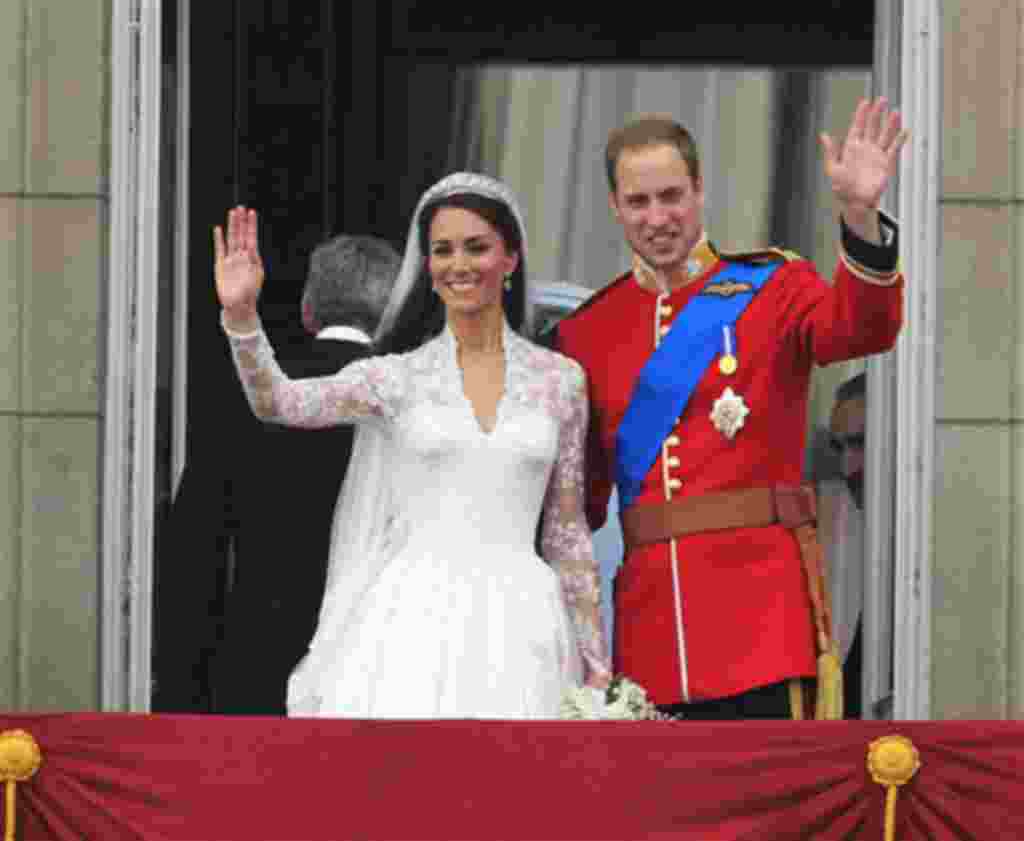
x=659 y=204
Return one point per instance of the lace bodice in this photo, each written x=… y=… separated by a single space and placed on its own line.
x=455 y=483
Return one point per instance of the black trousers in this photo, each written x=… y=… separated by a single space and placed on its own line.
x=770 y=701
x=852 y=668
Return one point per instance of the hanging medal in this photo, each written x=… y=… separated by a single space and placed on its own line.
x=729 y=411
x=727 y=363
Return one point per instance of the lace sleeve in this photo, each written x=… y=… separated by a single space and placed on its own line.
x=565 y=540
x=362 y=390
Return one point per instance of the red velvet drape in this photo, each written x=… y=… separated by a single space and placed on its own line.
x=113 y=776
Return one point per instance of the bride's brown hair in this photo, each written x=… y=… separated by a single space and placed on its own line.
x=422 y=314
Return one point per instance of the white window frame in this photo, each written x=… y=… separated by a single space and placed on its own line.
x=919 y=178
x=130 y=376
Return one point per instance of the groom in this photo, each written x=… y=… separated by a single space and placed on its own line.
x=698 y=416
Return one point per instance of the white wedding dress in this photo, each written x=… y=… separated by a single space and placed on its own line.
x=454 y=615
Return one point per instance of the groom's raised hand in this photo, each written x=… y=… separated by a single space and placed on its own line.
x=861 y=169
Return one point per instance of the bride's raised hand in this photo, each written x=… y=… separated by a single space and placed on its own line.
x=237 y=266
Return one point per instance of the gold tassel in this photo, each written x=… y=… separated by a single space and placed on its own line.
x=829 y=701
x=796 y=698
x=892 y=762
x=20 y=758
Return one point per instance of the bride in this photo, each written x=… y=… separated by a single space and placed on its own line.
x=436 y=604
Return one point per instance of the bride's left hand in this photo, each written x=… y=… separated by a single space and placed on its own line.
x=598 y=680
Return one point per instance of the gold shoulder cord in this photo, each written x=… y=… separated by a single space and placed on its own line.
x=762 y=255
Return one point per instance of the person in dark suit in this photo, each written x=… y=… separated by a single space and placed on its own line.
x=244 y=560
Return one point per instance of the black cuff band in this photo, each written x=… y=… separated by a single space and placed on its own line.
x=876 y=258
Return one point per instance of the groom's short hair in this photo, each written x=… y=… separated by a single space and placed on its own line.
x=650 y=130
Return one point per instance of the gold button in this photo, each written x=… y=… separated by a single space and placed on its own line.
x=673 y=461
x=672 y=440
x=665 y=310
x=664 y=329
x=674 y=484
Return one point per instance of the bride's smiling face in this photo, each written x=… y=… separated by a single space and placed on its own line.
x=468 y=261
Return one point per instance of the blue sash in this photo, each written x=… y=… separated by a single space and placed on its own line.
x=667 y=380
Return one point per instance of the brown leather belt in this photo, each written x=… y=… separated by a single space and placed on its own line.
x=792 y=506
x=787 y=505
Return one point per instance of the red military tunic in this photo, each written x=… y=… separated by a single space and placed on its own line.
x=714 y=614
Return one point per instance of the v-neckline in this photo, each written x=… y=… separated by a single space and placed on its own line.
x=460 y=381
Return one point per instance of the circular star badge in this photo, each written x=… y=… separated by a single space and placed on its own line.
x=728 y=413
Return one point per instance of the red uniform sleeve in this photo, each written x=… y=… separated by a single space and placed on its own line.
x=598 y=476
x=850 y=318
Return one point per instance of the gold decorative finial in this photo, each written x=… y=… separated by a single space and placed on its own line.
x=892 y=762
x=20 y=758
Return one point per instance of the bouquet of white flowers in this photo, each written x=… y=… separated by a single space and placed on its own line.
x=623 y=700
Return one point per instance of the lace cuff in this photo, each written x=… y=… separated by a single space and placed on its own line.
x=577 y=568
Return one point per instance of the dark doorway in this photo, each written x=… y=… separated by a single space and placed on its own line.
x=296 y=113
